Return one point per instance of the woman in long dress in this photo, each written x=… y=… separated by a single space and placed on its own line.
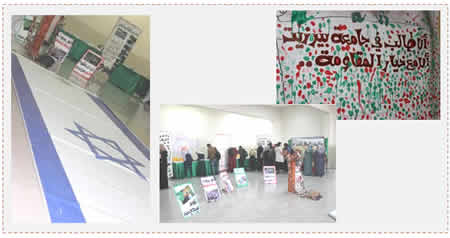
x=299 y=186
x=291 y=171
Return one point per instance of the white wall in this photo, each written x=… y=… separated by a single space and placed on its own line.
x=205 y=123
x=302 y=121
x=245 y=122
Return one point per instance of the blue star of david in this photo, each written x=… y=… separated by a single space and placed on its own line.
x=128 y=162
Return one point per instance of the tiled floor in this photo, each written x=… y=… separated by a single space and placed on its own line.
x=257 y=203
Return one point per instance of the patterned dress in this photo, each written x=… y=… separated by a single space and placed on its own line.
x=299 y=182
x=291 y=176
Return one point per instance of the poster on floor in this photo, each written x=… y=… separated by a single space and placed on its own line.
x=241 y=177
x=270 y=175
x=212 y=192
x=187 y=199
x=227 y=186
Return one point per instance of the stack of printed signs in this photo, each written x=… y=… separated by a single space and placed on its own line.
x=187 y=199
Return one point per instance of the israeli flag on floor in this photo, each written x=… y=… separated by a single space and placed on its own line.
x=90 y=166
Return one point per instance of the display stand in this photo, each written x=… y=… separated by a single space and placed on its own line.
x=270 y=175
x=60 y=50
x=120 y=43
x=187 y=199
x=212 y=192
x=85 y=68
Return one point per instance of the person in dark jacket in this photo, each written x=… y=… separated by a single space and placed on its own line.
x=259 y=157
x=272 y=155
x=269 y=155
x=188 y=165
x=163 y=179
x=213 y=158
x=242 y=156
x=232 y=154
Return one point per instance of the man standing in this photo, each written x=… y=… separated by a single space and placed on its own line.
x=213 y=158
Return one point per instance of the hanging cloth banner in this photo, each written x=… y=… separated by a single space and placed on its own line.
x=212 y=192
x=270 y=175
x=164 y=138
x=187 y=199
x=240 y=177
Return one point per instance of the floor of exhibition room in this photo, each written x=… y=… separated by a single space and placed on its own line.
x=258 y=202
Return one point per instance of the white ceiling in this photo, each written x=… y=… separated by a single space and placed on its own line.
x=274 y=108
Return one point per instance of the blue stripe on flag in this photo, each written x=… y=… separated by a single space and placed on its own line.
x=62 y=204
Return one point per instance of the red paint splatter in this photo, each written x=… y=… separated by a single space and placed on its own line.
x=308 y=85
x=371 y=77
x=312 y=23
x=290 y=102
x=290 y=48
x=299 y=93
x=358 y=83
x=340 y=27
x=328 y=72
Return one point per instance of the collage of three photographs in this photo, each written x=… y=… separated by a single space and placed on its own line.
x=80 y=107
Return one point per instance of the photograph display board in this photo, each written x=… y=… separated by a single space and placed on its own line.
x=212 y=192
x=63 y=44
x=241 y=177
x=227 y=185
x=85 y=68
x=270 y=175
x=187 y=199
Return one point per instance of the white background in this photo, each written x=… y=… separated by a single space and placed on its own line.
x=391 y=175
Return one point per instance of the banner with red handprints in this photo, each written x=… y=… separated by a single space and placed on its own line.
x=372 y=65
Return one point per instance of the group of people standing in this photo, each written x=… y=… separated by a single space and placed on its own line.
x=283 y=157
x=271 y=155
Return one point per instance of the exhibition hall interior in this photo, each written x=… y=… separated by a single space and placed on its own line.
x=247 y=163
x=80 y=119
